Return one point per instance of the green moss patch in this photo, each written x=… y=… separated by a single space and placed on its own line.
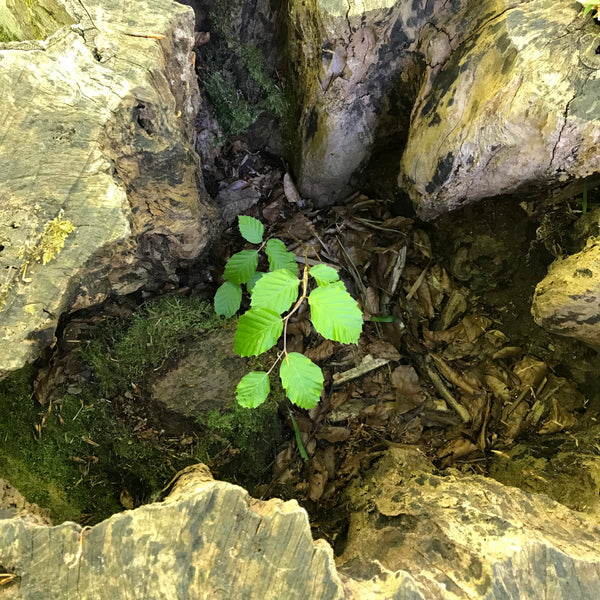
x=80 y=460
x=120 y=354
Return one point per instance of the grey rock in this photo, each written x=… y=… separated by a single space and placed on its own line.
x=13 y=505
x=567 y=300
x=413 y=534
x=203 y=379
x=102 y=195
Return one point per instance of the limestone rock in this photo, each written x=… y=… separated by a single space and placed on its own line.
x=414 y=534
x=99 y=187
x=510 y=107
x=12 y=504
x=208 y=539
x=567 y=300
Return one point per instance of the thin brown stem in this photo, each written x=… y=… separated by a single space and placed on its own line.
x=296 y=307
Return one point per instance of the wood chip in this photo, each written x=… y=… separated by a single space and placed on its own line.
x=291 y=193
x=367 y=365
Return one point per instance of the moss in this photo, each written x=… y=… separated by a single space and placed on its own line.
x=119 y=356
x=233 y=112
x=251 y=435
x=303 y=83
x=80 y=460
x=51 y=242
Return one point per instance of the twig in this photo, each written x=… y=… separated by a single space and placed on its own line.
x=417 y=284
x=444 y=392
x=451 y=375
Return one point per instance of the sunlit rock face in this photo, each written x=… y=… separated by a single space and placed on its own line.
x=509 y=104
x=412 y=533
x=567 y=300
x=207 y=539
x=99 y=189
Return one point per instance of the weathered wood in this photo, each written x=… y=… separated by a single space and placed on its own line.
x=510 y=107
x=208 y=539
x=99 y=189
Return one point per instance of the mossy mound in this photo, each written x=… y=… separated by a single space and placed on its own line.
x=89 y=451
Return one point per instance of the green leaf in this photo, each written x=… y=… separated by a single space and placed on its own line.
x=252 y=281
x=335 y=314
x=251 y=229
x=324 y=274
x=258 y=330
x=587 y=8
x=279 y=257
x=253 y=389
x=241 y=266
x=228 y=299
x=302 y=380
x=276 y=290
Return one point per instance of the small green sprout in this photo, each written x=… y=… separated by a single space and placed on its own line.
x=334 y=314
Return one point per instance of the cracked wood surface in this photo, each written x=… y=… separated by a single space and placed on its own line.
x=97 y=121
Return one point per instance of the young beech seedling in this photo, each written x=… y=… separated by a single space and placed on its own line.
x=333 y=312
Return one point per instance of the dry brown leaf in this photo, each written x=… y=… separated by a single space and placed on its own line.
x=126 y=499
x=498 y=387
x=201 y=38
x=558 y=420
x=327 y=457
x=400 y=223
x=406 y=381
x=530 y=371
x=321 y=352
x=272 y=212
x=425 y=300
x=515 y=423
x=475 y=326
x=455 y=449
x=295 y=338
x=372 y=301
x=338 y=398
x=421 y=243
x=46 y=381
x=508 y=352
x=317 y=478
x=332 y=434
x=377 y=415
x=298 y=228
x=380 y=349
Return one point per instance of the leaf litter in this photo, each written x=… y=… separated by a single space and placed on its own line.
x=433 y=369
